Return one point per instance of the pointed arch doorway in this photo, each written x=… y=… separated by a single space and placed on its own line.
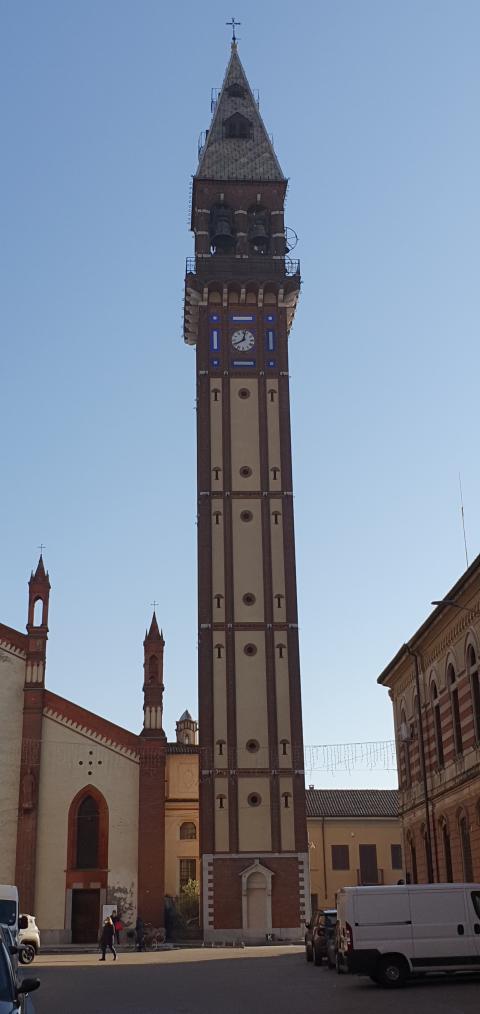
x=87 y=864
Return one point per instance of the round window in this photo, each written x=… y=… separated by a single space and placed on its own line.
x=249 y=599
x=250 y=649
x=245 y=471
x=246 y=516
x=254 y=799
x=244 y=392
x=253 y=745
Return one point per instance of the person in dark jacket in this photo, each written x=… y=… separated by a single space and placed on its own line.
x=140 y=933
x=106 y=939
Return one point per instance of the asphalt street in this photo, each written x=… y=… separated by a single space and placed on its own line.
x=255 y=980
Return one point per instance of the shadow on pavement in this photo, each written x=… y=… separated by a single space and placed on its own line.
x=237 y=983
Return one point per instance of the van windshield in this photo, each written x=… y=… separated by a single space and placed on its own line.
x=8 y=912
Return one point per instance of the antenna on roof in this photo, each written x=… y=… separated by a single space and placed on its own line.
x=463 y=517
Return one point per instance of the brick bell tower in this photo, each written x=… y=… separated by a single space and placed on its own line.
x=151 y=815
x=241 y=292
x=33 y=694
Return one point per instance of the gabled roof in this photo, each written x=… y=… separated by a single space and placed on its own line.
x=233 y=158
x=352 y=802
x=14 y=638
x=82 y=720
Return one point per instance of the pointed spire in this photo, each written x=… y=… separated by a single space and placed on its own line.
x=154 y=634
x=41 y=575
x=40 y=571
x=228 y=154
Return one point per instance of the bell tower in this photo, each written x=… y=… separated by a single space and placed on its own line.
x=33 y=694
x=151 y=787
x=241 y=292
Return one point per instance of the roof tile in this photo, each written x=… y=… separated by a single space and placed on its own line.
x=352 y=802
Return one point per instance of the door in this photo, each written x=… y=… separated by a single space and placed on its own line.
x=443 y=936
x=473 y=914
x=85 y=916
x=257 y=902
x=368 y=864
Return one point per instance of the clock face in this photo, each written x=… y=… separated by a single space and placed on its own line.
x=243 y=341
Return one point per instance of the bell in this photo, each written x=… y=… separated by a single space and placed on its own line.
x=221 y=234
x=258 y=233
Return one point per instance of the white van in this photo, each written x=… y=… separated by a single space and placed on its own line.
x=392 y=933
x=9 y=907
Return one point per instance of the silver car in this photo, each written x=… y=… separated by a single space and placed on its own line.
x=14 y=992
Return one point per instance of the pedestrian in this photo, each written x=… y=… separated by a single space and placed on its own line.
x=140 y=933
x=107 y=938
x=117 y=925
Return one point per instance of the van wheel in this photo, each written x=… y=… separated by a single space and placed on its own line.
x=391 y=971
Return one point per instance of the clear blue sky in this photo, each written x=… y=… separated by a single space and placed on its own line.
x=374 y=111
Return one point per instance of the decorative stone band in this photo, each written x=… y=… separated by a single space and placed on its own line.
x=34 y=672
x=12 y=649
x=152 y=718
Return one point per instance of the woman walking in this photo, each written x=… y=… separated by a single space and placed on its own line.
x=106 y=939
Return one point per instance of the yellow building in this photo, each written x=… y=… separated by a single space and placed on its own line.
x=354 y=837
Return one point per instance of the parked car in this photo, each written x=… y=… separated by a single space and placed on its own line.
x=23 y=953
x=318 y=932
x=14 y=992
x=28 y=932
x=332 y=946
x=308 y=937
x=393 y=933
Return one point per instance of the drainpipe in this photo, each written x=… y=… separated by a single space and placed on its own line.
x=430 y=873
x=324 y=861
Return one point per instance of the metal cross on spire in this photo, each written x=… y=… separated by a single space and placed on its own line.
x=233 y=24
x=41 y=547
x=154 y=604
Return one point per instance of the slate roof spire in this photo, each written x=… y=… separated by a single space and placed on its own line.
x=227 y=154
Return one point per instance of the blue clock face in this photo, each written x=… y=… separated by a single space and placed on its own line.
x=243 y=340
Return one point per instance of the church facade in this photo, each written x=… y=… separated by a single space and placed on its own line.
x=91 y=814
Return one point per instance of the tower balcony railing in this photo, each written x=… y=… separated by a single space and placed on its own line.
x=219 y=266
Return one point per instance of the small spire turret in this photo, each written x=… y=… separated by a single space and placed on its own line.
x=153 y=688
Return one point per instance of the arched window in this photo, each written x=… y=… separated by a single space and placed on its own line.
x=437 y=724
x=237 y=126
x=222 y=229
x=464 y=828
x=188 y=831
x=457 y=725
x=413 y=857
x=405 y=750
x=472 y=663
x=152 y=669
x=447 y=850
x=427 y=853
x=88 y=833
x=258 y=226
x=38 y=613
x=88 y=823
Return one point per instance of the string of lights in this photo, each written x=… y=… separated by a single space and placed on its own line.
x=374 y=755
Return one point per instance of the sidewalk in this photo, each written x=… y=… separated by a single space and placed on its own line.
x=121 y=948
